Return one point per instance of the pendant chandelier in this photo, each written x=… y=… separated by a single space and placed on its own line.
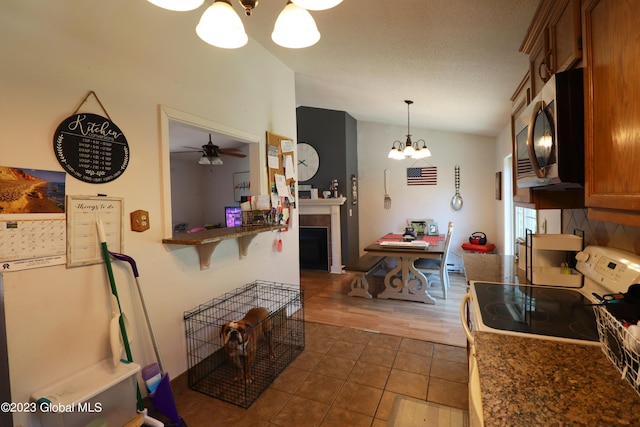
x=222 y=27
x=409 y=149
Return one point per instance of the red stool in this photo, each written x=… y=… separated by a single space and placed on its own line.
x=482 y=249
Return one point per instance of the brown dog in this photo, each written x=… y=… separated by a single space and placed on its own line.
x=241 y=337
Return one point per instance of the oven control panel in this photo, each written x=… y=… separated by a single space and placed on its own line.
x=612 y=268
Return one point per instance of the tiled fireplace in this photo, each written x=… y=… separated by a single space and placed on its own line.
x=314 y=247
x=325 y=213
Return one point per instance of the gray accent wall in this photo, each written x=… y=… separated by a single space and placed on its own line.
x=334 y=135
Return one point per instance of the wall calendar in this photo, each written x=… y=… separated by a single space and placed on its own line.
x=26 y=242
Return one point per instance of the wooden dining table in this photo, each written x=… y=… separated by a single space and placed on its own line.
x=411 y=284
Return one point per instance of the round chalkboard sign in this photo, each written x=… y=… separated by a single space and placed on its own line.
x=91 y=148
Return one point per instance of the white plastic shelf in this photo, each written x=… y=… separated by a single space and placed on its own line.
x=87 y=383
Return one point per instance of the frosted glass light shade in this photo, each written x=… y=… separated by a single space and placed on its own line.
x=177 y=5
x=295 y=28
x=214 y=160
x=422 y=153
x=396 y=154
x=409 y=151
x=317 y=4
x=221 y=26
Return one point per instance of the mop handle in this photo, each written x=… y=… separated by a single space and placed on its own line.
x=112 y=281
x=134 y=267
x=127 y=258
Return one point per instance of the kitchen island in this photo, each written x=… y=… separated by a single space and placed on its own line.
x=535 y=382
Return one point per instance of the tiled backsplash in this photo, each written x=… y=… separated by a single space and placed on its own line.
x=599 y=233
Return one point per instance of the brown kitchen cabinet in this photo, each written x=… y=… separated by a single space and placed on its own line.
x=612 y=110
x=551 y=199
x=565 y=36
x=539 y=63
x=553 y=41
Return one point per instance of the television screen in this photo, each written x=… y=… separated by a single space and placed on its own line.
x=233 y=215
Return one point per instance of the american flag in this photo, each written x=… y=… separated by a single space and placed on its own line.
x=422 y=176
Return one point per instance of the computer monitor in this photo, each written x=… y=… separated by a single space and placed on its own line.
x=233 y=216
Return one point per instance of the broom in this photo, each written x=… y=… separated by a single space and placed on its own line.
x=161 y=397
x=123 y=330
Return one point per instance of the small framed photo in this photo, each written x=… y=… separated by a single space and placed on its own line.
x=432 y=229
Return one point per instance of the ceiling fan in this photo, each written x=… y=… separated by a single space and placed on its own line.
x=211 y=153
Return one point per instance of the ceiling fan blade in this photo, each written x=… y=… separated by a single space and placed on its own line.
x=224 y=152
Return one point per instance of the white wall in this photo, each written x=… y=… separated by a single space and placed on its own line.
x=136 y=57
x=475 y=155
x=199 y=193
x=503 y=149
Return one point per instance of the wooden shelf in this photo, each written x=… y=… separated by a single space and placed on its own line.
x=206 y=241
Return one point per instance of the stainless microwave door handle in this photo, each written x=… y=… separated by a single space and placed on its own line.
x=540 y=171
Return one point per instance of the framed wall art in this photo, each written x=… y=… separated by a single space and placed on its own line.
x=241 y=185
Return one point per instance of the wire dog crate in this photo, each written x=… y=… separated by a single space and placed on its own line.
x=620 y=347
x=210 y=370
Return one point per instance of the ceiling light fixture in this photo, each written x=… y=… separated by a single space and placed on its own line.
x=409 y=149
x=295 y=28
x=177 y=5
x=317 y=4
x=210 y=160
x=222 y=27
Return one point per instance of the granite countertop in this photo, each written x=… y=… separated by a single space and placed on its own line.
x=535 y=382
x=492 y=268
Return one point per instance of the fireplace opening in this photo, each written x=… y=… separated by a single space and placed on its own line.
x=314 y=252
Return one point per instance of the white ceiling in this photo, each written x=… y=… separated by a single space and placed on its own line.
x=458 y=60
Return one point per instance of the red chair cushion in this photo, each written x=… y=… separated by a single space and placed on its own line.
x=489 y=247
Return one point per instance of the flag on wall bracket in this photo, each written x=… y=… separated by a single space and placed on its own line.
x=422 y=176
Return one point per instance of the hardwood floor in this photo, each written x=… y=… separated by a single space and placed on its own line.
x=326 y=301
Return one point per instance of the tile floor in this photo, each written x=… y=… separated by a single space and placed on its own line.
x=344 y=377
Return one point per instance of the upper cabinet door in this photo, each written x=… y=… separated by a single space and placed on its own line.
x=565 y=33
x=612 y=109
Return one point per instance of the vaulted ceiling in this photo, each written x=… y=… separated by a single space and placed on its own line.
x=458 y=60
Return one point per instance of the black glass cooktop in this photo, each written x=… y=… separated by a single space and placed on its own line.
x=554 y=312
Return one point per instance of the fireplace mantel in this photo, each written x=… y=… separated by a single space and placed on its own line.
x=328 y=207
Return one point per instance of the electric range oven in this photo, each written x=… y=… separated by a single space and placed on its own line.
x=545 y=312
x=550 y=312
x=536 y=311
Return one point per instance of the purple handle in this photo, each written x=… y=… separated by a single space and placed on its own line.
x=127 y=258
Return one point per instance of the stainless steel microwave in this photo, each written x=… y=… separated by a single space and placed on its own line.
x=550 y=135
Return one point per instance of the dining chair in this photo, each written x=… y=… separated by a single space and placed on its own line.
x=436 y=269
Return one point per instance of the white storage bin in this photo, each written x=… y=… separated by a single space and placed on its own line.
x=540 y=257
x=557 y=242
x=99 y=392
x=552 y=276
x=544 y=255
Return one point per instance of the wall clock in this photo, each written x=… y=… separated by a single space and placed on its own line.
x=308 y=161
